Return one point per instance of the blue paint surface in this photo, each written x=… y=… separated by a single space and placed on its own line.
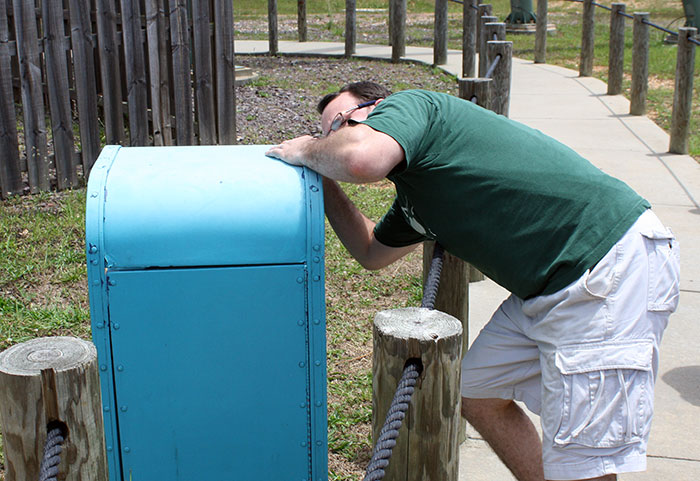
x=205 y=267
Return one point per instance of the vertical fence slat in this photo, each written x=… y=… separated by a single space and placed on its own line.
x=10 y=172
x=182 y=82
x=301 y=20
x=482 y=42
x=204 y=88
x=165 y=73
x=500 y=99
x=32 y=96
x=541 y=32
x=134 y=58
x=469 y=18
x=683 y=93
x=640 y=64
x=57 y=89
x=350 y=27
x=110 y=72
x=398 y=29
x=616 y=56
x=225 y=71
x=59 y=101
x=273 y=31
x=587 y=39
x=154 y=69
x=85 y=81
x=440 y=33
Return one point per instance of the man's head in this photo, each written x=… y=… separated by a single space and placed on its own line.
x=343 y=103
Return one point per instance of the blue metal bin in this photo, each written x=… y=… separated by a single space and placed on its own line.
x=205 y=267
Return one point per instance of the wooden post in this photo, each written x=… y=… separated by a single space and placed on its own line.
x=398 y=29
x=616 y=57
x=482 y=42
x=10 y=171
x=350 y=27
x=587 y=39
x=301 y=19
x=683 y=93
x=491 y=31
x=272 y=26
x=484 y=10
x=453 y=294
x=541 y=32
x=427 y=446
x=440 y=33
x=500 y=100
x=640 y=64
x=477 y=90
x=45 y=380
x=469 y=18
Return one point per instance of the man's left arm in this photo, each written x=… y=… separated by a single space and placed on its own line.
x=356 y=153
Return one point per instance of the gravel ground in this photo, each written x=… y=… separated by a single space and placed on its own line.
x=281 y=102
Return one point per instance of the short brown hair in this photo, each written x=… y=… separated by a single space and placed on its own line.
x=364 y=91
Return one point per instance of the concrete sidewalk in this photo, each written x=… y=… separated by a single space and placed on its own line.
x=577 y=112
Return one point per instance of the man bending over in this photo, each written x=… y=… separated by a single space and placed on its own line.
x=593 y=273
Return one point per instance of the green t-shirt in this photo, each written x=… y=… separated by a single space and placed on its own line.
x=527 y=211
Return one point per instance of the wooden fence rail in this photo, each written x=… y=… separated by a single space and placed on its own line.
x=165 y=66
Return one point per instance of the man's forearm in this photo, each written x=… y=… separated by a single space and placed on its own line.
x=356 y=231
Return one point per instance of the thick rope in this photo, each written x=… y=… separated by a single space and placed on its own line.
x=48 y=469
x=392 y=423
x=433 y=281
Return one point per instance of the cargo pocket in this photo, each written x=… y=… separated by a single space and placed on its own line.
x=664 y=270
x=608 y=393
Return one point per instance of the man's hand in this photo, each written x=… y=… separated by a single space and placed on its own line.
x=292 y=151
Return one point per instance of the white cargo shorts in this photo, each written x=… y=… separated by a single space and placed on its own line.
x=585 y=358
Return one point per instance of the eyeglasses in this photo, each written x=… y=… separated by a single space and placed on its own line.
x=340 y=118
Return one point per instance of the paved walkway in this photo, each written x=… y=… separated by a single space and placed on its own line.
x=577 y=112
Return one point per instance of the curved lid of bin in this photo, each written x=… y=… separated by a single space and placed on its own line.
x=201 y=206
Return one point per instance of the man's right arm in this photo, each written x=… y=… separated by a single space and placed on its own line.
x=356 y=231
